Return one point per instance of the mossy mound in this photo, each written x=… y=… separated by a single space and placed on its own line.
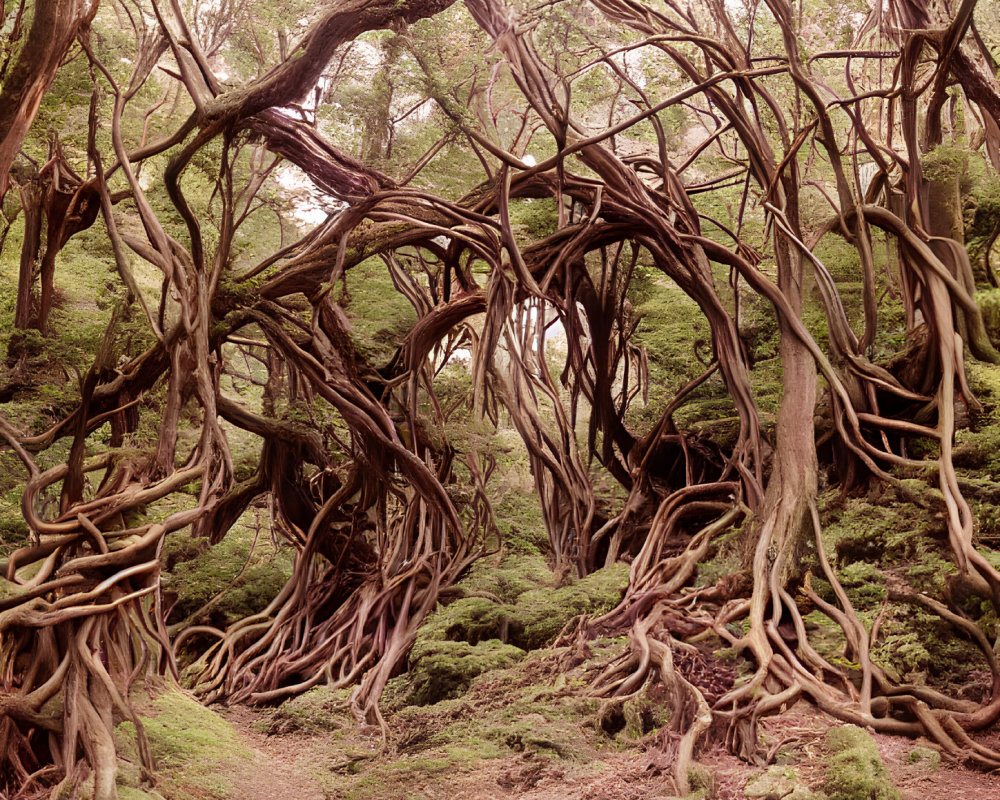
x=319 y=709
x=887 y=539
x=882 y=528
x=989 y=305
x=191 y=745
x=507 y=578
x=440 y=670
x=228 y=581
x=522 y=708
x=779 y=783
x=545 y=611
x=527 y=710
x=518 y=603
x=865 y=585
x=508 y=609
x=855 y=770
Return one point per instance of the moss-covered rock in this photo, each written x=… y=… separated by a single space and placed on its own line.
x=855 y=770
x=319 y=709
x=542 y=613
x=517 y=603
x=778 y=782
x=925 y=757
x=440 y=670
x=509 y=577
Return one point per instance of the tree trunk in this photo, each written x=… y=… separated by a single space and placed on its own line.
x=53 y=29
x=31 y=203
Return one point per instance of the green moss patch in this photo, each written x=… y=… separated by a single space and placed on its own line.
x=527 y=710
x=193 y=748
x=320 y=709
x=239 y=576
x=884 y=539
x=517 y=603
x=509 y=608
x=925 y=757
x=777 y=782
x=439 y=670
x=855 y=770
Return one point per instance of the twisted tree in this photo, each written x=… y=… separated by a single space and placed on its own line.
x=365 y=480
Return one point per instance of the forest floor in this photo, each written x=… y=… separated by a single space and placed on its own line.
x=487 y=708
x=523 y=732
x=319 y=765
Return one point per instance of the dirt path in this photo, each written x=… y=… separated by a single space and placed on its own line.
x=275 y=773
x=281 y=770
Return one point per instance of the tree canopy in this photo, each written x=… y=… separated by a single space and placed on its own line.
x=811 y=184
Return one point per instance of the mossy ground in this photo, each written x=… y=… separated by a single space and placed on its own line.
x=193 y=747
x=238 y=576
x=526 y=711
x=883 y=540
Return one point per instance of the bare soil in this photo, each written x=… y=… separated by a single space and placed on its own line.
x=273 y=775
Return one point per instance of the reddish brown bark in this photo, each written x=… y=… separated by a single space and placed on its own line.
x=54 y=26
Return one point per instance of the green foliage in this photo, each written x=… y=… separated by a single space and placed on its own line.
x=677 y=340
x=380 y=315
x=533 y=219
x=855 y=770
x=28 y=343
